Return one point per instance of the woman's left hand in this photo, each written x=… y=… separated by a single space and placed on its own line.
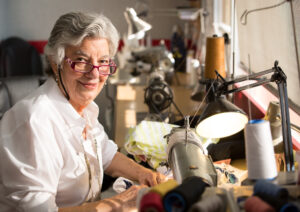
x=150 y=178
x=125 y=167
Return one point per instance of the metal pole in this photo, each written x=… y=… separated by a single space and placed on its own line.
x=232 y=46
x=286 y=127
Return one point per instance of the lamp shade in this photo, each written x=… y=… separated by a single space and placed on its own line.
x=136 y=26
x=221 y=118
x=188 y=14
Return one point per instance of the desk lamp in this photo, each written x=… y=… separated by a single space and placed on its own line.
x=220 y=118
x=189 y=14
x=279 y=77
x=136 y=26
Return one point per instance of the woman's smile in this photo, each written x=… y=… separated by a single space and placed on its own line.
x=89 y=85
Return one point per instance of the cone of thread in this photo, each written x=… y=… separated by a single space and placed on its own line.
x=215 y=57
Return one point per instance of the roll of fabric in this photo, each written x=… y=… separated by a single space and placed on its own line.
x=185 y=195
x=151 y=202
x=163 y=188
x=260 y=155
x=209 y=204
x=255 y=204
x=215 y=57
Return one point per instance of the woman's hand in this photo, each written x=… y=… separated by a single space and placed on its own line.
x=129 y=195
x=124 y=201
x=125 y=167
x=150 y=178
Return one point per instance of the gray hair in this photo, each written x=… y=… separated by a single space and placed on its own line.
x=73 y=27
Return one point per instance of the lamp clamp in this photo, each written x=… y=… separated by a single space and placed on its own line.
x=278 y=76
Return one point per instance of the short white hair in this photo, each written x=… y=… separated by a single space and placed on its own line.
x=72 y=28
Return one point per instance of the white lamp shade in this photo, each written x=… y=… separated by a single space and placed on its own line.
x=136 y=26
x=222 y=125
x=220 y=119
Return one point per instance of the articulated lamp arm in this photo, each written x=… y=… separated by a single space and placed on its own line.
x=279 y=78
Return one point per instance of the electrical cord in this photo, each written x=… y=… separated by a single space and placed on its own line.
x=62 y=84
x=246 y=12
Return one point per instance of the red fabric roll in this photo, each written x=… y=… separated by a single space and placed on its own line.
x=151 y=202
x=255 y=204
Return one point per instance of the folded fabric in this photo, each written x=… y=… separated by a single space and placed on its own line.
x=165 y=170
x=147 y=139
x=229 y=175
x=121 y=184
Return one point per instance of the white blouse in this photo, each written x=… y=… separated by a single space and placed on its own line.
x=42 y=153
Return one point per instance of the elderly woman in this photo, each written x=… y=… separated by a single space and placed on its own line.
x=53 y=149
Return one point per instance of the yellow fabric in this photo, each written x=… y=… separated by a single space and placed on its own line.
x=147 y=139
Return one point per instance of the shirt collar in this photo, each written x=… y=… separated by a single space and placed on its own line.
x=67 y=111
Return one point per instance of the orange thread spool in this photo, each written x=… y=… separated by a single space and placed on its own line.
x=215 y=57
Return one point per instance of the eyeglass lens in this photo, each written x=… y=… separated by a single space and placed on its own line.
x=86 y=67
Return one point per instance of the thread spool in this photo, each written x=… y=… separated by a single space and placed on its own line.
x=185 y=195
x=140 y=195
x=271 y=193
x=269 y=189
x=151 y=202
x=290 y=207
x=163 y=188
x=215 y=57
x=209 y=204
x=255 y=204
x=260 y=155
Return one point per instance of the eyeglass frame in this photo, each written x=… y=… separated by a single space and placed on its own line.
x=72 y=65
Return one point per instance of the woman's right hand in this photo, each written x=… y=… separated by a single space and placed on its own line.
x=123 y=201
x=130 y=194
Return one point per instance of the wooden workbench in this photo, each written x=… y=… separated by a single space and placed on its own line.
x=130 y=103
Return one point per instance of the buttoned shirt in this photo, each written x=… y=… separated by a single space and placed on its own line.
x=43 y=154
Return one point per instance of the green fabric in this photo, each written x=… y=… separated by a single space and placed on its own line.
x=147 y=139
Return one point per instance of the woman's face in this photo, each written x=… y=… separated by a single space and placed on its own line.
x=83 y=88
